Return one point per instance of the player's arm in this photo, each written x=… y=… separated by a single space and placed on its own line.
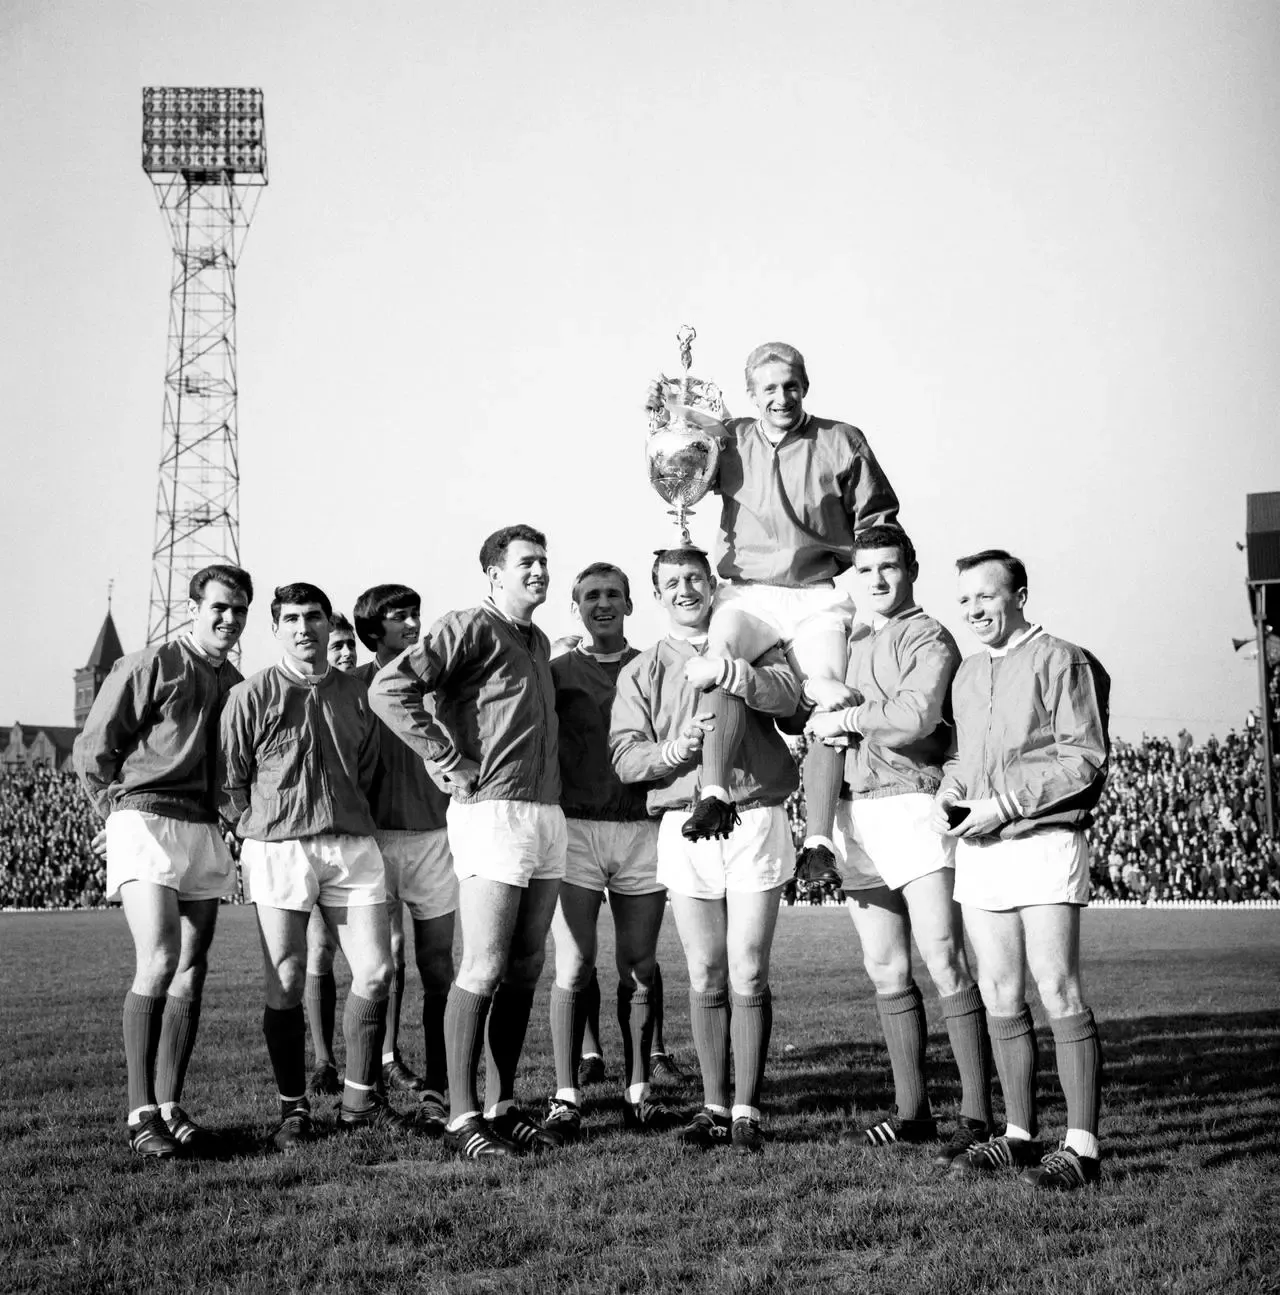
x=951 y=789
x=869 y=499
x=916 y=708
x=367 y=768
x=400 y=694
x=235 y=757
x=119 y=713
x=638 y=753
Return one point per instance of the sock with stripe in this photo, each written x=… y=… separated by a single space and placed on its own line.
x=435 y=1070
x=389 y=1044
x=465 y=1014
x=1079 y=1054
x=508 y=1021
x=285 y=1031
x=142 y=1021
x=635 y=1020
x=750 y=1025
x=720 y=746
x=568 y=1021
x=363 y=1024
x=822 y=775
x=1013 y=1042
x=709 y=1025
x=320 y=996
x=177 y=1042
x=905 y=1035
x=970 y=1045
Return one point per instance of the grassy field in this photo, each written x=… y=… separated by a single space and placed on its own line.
x=1189 y=1203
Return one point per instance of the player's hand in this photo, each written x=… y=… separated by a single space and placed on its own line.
x=830 y=694
x=655 y=401
x=981 y=819
x=99 y=843
x=689 y=743
x=827 y=725
x=938 y=819
x=704 y=671
x=463 y=777
x=565 y=644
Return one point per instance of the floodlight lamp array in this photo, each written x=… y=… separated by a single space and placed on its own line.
x=207 y=130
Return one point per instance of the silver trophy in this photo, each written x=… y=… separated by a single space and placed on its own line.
x=683 y=446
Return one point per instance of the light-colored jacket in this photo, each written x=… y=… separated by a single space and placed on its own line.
x=1031 y=731
x=655 y=701
x=150 y=741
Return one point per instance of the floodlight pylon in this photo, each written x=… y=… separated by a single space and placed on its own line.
x=204 y=151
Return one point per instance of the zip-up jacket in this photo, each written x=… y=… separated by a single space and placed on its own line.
x=403 y=797
x=903 y=670
x=788 y=513
x=1031 y=731
x=589 y=787
x=655 y=701
x=298 y=756
x=477 y=687
x=151 y=739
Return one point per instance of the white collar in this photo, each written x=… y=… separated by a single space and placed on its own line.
x=506 y=616
x=290 y=669
x=1016 y=642
x=605 y=658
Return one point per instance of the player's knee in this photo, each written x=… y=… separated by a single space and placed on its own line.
x=479 y=973
x=290 y=981
x=156 y=969
x=1001 y=997
x=435 y=966
x=748 y=975
x=573 y=969
x=1060 y=995
x=889 y=972
x=320 y=961
x=707 y=975
x=637 y=970
x=947 y=967
x=525 y=968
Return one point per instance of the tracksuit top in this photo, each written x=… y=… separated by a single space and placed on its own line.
x=1031 y=730
x=403 y=797
x=298 y=756
x=904 y=670
x=478 y=686
x=150 y=741
x=655 y=701
x=589 y=787
x=824 y=472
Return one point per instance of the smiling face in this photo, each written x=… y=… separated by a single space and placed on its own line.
x=992 y=608
x=401 y=628
x=603 y=606
x=777 y=388
x=303 y=632
x=520 y=583
x=685 y=590
x=342 y=650
x=218 y=619
x=884 y=583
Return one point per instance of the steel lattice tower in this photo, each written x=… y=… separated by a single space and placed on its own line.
x=205 y=153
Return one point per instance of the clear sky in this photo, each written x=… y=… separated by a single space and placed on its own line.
x=1030 y=248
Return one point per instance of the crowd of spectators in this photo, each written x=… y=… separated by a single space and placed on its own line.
x=1178 y=821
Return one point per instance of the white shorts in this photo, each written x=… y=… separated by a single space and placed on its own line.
x=511 y=841
x=759 y=854
x=887 y=841
x=191 y=858
x=336 y=871
x=791 y=613
x=1049 y=867
x=419 y=871
x=620 y=857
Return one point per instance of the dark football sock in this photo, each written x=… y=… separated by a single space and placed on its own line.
x=321 y=999
x=363 y=1024
x=656 y=1008
x=823 y=774
x=720 y=745
x=635 y=1020
x=905 y=1034
x=177 y=1042
x=750 y=1025
x=1079 y=1053
x=567 y=1020
x=508 y=1021
x=390 y=1041
x=285 y=1030
x=464 y=1017
x=435 y=1068
x=970 y=1045
x=591 y=1008
x=1013 y=1041
x=709 y=1025
x=143 y=1020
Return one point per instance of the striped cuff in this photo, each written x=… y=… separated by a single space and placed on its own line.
x=1008 y=806
x=849 y=720
x=671 y=753
x=451 y=761
x=733 y=676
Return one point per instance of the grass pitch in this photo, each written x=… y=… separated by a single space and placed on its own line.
x=1188 y=1011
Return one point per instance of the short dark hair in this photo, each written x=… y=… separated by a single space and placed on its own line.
x=782 y=353
x=493 y=552
x=1014 y=568
x=885 y=537
x=297 y=594
x=236 y=578
x=601 y=569
x=675 y=557
x=374 y=604
x=341 y=625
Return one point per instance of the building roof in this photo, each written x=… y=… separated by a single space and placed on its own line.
x=62 y=736
x=106 y=649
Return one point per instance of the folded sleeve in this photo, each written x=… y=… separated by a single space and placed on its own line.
x=400 y=693
x=120 y=711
